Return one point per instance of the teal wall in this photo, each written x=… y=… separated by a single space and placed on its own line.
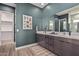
x=51 y=9
x=7 y=8
x=24 y=37
x=40 y=18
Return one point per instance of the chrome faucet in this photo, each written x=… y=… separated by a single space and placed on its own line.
x=64 y=33
x=69 y=32
x=45 y=29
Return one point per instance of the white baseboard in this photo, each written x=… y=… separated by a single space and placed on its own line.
x=27 y=46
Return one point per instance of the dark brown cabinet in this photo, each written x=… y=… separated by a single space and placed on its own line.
x=75 y=50
x=46 y=41
x=51 y=43
x=41 y=39
x=59 y=45
x=66 y=49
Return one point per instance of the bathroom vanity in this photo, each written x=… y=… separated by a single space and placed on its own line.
x=65 y=40
x=60 y=44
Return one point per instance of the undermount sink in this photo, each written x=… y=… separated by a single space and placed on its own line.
x=60 y=33
x=54 y=33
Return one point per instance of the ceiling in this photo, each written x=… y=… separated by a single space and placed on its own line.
x=41 y=5
x=10 y=4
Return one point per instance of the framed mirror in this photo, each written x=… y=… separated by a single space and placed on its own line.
x=74 y=20
x=74 y=23
x=63 y=25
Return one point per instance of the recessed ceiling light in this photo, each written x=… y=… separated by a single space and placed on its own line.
x=42 y=3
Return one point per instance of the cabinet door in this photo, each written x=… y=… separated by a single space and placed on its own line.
x=66 y=49
x=75 y=50
x=40 y=39
x=57 y=46
x=51 y=43
x=42 y=42
x=37 y=37
x=46 y=41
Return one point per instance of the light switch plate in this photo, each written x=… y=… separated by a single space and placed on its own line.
x=17 y=30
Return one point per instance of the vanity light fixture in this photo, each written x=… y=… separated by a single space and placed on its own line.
x=76 y=21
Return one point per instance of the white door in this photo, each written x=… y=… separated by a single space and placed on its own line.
x=6 y=26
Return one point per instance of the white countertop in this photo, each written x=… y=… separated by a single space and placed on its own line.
x=59 y=34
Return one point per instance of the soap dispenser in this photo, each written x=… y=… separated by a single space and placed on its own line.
x=69 y=33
